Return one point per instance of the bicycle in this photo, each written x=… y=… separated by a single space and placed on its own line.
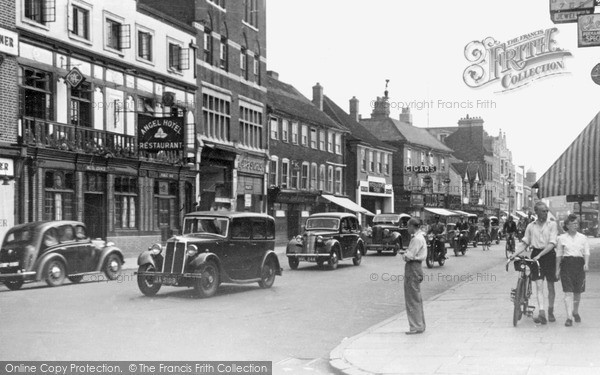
x=522 y=293
x=486 y=241
x=510 y=245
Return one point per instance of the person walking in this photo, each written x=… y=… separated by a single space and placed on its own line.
x=572 y=262
x=541 y=236
x=413 y=276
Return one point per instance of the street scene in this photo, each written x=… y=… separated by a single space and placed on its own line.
x=303 y=187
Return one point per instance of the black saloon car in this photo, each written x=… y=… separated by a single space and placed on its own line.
x=388 y=233
x=53 y=251
x=328 y=237
x=215 y=247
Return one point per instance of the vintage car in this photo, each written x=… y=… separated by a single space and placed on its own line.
x=328 y=237
x=388 y=233
x=53 y=251
x=214 y=247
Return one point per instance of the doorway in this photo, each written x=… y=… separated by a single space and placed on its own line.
x=94 y=215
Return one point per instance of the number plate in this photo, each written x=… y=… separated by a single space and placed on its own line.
x=308 y=259
x=166 y=280
x=11 y=264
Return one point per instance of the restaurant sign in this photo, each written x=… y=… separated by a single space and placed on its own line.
x=160 y=133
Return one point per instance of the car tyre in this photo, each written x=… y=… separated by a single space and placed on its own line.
x=333 y=260
x=112 y=266
x=207 y=284
x=15 y=284
x=147 y=284
x=55 y=272
x=358 y=256
x=294 y=262
x=75 y=279
x=267 y=274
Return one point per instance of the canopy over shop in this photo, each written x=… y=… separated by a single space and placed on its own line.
x=347 y=204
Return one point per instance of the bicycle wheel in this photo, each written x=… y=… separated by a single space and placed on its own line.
x=517 y=311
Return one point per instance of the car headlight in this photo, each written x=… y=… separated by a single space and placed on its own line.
x=191 y=250
x=155 y=249
x=299 y=238
x=320 y=239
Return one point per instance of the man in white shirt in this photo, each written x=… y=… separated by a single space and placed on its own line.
x=413 y=276
x=541 y=236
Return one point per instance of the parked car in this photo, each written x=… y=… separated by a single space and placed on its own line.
x=328 y=237
x=215 y=247
x=388 y=233
x=53 y=251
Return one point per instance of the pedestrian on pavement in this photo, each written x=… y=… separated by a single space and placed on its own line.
x=572 y=262
x=541 y=236
x=413 y=276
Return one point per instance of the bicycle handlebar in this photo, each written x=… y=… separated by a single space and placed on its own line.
x=523 y=258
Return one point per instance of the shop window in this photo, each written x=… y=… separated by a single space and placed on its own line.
x=165 y=203
x=126 y=202
x=59 y=195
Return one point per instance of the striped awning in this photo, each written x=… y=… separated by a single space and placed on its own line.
x=576 y=170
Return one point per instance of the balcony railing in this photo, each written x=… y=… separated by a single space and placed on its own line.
x=54 y=135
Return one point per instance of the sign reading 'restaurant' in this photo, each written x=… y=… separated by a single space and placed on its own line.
x=156 y=134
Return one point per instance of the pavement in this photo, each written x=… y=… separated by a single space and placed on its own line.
x=470 y=331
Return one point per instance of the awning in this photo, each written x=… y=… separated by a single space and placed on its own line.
x=463 y=213
x=576 y=170
x=347 y=204
x=521 y=214
x=441 y=211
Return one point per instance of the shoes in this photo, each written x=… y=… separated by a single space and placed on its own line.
x=551 y=317
x=541 y=318
x=568 y=323
x=413 y=332
x=577 y=318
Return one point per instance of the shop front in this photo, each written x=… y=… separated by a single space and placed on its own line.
x=7 y=191
x=251 y=194
x=376 y=197
x=216 y=178
x=290 y=208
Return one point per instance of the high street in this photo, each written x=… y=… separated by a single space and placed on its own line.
x=295 y=324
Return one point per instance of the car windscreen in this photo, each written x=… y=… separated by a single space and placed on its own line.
x=205 y=225
x=18 y=235
x=323 y=223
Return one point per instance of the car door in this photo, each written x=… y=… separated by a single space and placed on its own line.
x=237 y=247
x=348 y=236
x=90 y=254
x=73 y=252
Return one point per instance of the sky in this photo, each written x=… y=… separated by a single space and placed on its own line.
x=351 y=47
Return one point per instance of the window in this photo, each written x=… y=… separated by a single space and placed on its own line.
x=321 y=140
x=81 y=105
x=285 y=128
x=117 y=35
x=304 y=140
x=216 y=116
x=313 y=177
x=338 y=144
x=379 y=167
x=330 y=179
x=285 y=173
x=251 y=127
x=338 y=180
x=125 y=202
x=208 y=46
x=244 y=63
x=313 y=138
x=408 y=156
x=330 y=142
x=386 y=164
x=443 y=164
x=80 y=25
x=251 y=12
x=295 y=133
x=274 y=129
x=322 y=177
x=40 y=11
x=256 y=68
x=144 y=45
x=422 y=158
x=241 y=229
x=431 y=161
x=371 y=161
x=37 y=95
x=59 y=195
x=295 y=176
x=304 y=179
x=223 y=53
x=273 y=171
x=178 y=57
x=363 y=160
x=165 y=204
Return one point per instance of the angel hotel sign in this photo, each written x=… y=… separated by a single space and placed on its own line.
x=156 y=133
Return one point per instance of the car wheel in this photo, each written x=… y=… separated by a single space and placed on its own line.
x=206 y=285
x=333 y=260
x=147 y=284
x=14 y=284
x=397 y=248
x=75 y=279
x=379 y=252
x=55 y=272
x=463 y=251
x=358 y=256
x=112 y=267
x=294 y=262
x=267 y=274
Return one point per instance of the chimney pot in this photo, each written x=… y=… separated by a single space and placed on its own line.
x=273 y=74
x=354 y=109
x=318 y=96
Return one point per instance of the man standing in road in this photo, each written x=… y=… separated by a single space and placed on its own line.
x=413 y=276
x=439 y=230
x=541 y=235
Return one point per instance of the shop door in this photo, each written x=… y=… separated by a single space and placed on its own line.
x=94 y=215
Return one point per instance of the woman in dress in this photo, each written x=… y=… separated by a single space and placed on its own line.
x=572 y=260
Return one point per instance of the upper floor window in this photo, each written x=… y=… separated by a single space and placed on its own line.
x=330 y=136
x=251 y=12
x=256 y=69
x=295 y=133
x=304 y=180
x=223 y=52
x=422 y=157
x=216 y=115
x=322 y=177
x=338 y=180
x=80 y=24
x=81 y=105
x=274 y=128
x=431 y=161
x=313 y=138
x=144 y=45
x=338 y=144
x=321 y=140
x=285 y=173
x=386 y=163
x=40 y=11
x=37 y=92
x=379 y=166
x=285 y=128
x=408 y=156
x=117 y=35
x=363 y=160
x=371 y=161
x=304 y=140
x=330 y=179
x=208 y=46
x=313 y=176
x=251 y=127
x=244 y=63
x=178 y=57
x=443 y=163
x=273 y=171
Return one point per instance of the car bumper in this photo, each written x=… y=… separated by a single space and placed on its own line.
x=384 y=246
x=16 y=275
x=169 y=278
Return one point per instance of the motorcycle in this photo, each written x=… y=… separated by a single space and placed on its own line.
x=460 y=242
x=436 y=250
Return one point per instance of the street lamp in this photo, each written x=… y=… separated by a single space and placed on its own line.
x=510 y=181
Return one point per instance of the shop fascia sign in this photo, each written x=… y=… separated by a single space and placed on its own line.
x=420 y=168
x=9 y=42
x=251 y=165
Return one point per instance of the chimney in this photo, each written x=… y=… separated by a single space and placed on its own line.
x=470 y=121
x=273 y=74
x=406 y=116
x=354 y=109
x=318 y=96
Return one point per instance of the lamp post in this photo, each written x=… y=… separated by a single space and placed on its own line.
x=510 y=181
